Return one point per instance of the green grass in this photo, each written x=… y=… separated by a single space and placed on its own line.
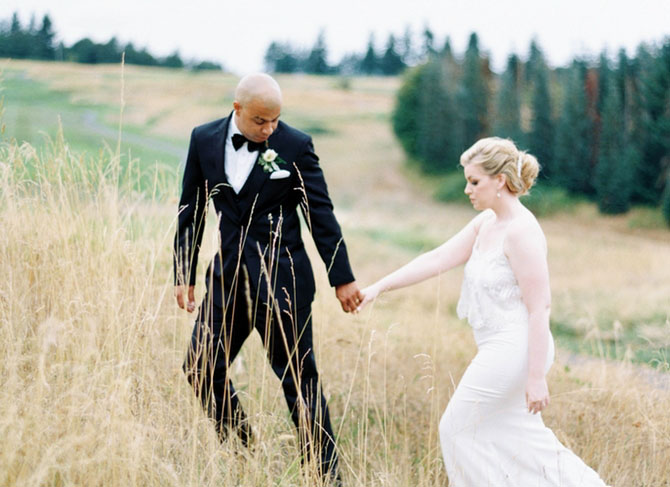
x=628 y=342
x=646 y=218
x=33 y=113
x=408 y=240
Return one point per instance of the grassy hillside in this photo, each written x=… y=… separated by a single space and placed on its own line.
x=92 y=342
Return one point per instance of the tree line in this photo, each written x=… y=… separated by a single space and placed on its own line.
x=599 y=128
x=39 y=42
x=397 y=53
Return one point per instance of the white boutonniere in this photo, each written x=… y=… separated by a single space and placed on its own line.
x=269 y=160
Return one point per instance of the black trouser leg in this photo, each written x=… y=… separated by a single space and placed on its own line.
x=216 y=340
x=288 y=342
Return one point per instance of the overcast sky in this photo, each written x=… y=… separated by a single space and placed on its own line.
x=237 y=34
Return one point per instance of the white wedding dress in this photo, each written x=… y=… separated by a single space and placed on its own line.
x=488 y=437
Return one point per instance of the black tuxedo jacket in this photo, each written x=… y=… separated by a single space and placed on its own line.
x=259 y=227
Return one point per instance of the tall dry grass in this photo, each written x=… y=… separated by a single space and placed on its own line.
x=91 y=343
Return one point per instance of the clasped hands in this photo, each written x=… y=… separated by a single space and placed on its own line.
x=351 y=298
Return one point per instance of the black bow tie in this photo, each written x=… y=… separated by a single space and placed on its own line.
x=239 y=140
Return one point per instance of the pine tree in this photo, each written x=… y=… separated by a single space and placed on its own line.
x=508 y=116
x=535 y=59
x=574 y=131
x=657 y=143
x=406 y=50
x=404 y=117
x=437 y=143
x=45 y=40
x=613 y=172
x=370 y=62
x=541 y=137
x=281 y=58
x=391 y=62
x=637 y=131
x=19 y=41
x=665 y=201
x=424 y=118
x=428 y=49
x=316 y=62
x=474 y=95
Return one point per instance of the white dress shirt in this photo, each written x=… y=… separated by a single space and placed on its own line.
x=239 y=163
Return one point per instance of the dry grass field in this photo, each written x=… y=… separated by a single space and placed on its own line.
x=91 y=341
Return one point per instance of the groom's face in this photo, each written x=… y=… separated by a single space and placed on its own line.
x=256 y=119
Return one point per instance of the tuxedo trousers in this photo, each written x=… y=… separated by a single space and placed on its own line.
x=218 y=335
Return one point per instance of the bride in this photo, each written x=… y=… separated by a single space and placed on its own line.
x=491 y=433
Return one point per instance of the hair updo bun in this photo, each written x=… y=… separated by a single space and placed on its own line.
x=501 y=156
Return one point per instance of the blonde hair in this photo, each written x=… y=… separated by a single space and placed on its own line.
x=501 y=156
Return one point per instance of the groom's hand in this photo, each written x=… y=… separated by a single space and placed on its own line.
x=185 y=302
x=349 y=295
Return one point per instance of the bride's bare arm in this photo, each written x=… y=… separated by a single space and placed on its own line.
x=450 y=254
x=525 y=247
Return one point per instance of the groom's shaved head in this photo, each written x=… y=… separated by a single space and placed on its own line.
x=258 y=87
x=257 y=106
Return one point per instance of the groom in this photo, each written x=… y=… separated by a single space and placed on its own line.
x=258 y=171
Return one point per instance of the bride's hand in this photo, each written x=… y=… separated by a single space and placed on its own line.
x=537 y=395
x=370 y=293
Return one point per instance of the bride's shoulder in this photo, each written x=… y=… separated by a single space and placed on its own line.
x=525 y=230
x=482 y=219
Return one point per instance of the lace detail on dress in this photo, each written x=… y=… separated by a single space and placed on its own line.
x=490 y=294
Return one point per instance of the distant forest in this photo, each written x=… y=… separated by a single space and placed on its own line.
x=600 y=128
x=39 y=42
x=397 y=54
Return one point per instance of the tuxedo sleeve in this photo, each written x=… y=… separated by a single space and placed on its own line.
x=190 y=220
x=318 y=211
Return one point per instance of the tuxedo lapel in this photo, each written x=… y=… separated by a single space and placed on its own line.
x=219 y=144
x=252 y=187
x=257 y=178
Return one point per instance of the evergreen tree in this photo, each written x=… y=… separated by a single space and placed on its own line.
x=437 y=147
x=630 y=114
x=665 y=201
x=613 y=172
x=535 y=59
x=316 y=62
x=370 y=62
x=604 y=82
x=281 y=58
x=425 y=119
x=573 y=150
x=110 y=52
x=173 y=61
x=656 y=150
x=428 y=48
x=638 y=134
x=541 y=136
x=406 y=49
x=45 y=40
x=84 y=51
x=508 y=116
x=19 y=43
x=207 y=66
x=141 y=57
x=405 y=117
x=349 y=65
x=391 y=62
x=474 y=95
x=447 y=52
